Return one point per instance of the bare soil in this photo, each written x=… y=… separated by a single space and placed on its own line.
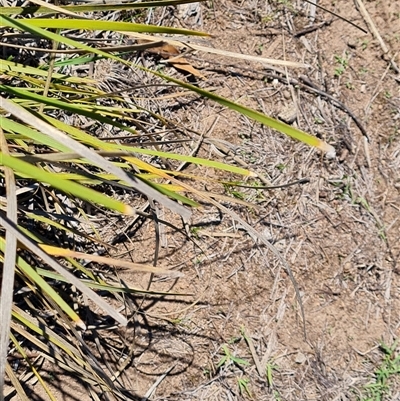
x=339 y=232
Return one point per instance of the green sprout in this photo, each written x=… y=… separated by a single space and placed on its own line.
x=379 y=389
x=343 y=63
x=243 y=384
x=229 y=358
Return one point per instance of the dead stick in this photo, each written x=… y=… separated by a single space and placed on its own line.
x=375 y=32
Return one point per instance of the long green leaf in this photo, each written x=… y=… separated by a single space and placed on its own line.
x=107 y=287
x=46 y=332
x=62 y=23
x=93 y=7
x=70 y=187
x=99 y=144
x=7 y=65
x=38 y=137
x=21 y=350
x=24 y=26
x=89 y=154
x=59 y=104
x=255 y=115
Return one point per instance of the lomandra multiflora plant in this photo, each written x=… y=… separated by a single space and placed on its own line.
x=64 y=169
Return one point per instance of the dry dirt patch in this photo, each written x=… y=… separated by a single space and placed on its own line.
x=339 y=232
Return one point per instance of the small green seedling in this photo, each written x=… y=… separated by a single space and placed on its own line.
x=236 y=194
x=243 y=384
x=194 y=231
x=269 y=368
x=287 y=4
x=390 y=367
x=228 y=358
x=343 y=63
x=364 y=44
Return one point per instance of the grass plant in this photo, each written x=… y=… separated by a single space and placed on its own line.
x=59 y=169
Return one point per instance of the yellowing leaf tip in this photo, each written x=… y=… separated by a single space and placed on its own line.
x=330 y=151
x=80 y=325
x=128 y=210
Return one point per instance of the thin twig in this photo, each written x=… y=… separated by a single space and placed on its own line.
x=336 y=15
x=301 y=181
x=311 y=28
x=312 y=87
x=256 y=360
x=305 y=82
x=376 y=33
x=156 y=384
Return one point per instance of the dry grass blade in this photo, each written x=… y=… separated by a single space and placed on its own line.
x=256 y=360
x=156 y=384
x=255 y=234
x=57 y=9
x=7 y=284
x=85 y=152
x=29 y=244
x=16 y=384
x=371 y=25
x=51 y=250
x=205 y=49
x=71 y=359
x=33 y=369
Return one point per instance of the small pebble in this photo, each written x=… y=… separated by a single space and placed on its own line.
x=300 y=358
x=352 y=43
x=286 y=95
x=331 y=154
x=288 y=114
x=343 y=155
